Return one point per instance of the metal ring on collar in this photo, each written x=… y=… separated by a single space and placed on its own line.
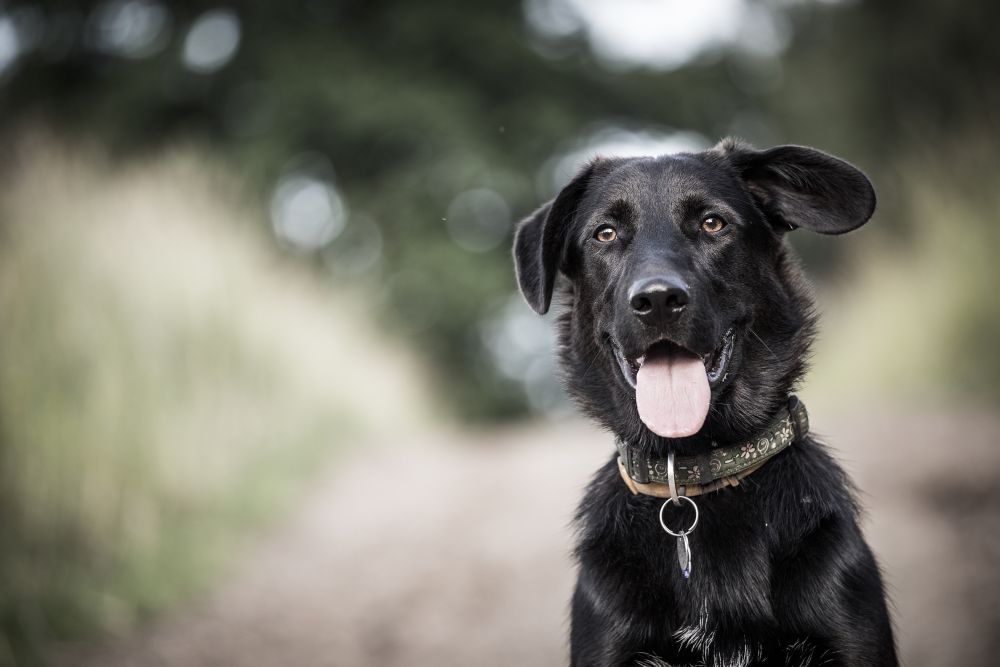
x=677 y=501
x=671 y=480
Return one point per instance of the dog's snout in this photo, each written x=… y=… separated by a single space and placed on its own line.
x=659 y=299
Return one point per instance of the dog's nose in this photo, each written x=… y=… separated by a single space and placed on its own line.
x=659 y=299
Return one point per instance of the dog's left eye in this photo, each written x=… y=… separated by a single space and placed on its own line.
x=713 y=224
x=606 y=234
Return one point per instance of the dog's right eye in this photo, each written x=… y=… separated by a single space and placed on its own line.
x=606 y=234
x=713 y=224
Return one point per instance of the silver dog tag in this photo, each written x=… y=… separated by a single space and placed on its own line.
x=684 y=555
x=683 y=548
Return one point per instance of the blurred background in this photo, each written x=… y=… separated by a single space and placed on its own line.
x=268 y=394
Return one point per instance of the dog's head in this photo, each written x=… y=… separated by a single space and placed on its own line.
x=686 y=317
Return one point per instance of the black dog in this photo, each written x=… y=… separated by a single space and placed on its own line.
x=686 y=326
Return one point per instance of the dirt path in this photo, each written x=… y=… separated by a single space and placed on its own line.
x=437 y=554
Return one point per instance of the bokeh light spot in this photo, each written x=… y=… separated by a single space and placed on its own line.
x=212 y=41
x=520 y=345
x=131 y=29
x=665 y=34
x=9 y=44
x=306 y=212
x=478 y=220
x=356 y=250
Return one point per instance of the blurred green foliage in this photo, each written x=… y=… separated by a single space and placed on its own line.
x=414 y=103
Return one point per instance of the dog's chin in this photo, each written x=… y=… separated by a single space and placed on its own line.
x=719 y=363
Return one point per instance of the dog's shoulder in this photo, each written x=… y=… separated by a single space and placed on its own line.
x=807 y=495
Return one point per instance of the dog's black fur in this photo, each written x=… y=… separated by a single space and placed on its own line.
x=782 y=574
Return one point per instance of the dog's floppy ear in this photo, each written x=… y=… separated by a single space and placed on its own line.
x=797 y=186
x=540 y=241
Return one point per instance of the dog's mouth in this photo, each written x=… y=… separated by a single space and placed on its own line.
x=673 y=385
x=716 y=362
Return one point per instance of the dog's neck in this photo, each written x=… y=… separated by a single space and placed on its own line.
x=715 y=469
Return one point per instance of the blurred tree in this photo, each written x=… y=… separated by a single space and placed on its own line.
x=416 y=103
x=413 y=103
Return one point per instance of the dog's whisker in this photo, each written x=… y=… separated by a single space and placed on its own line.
x=754 y=333
x=590 y=366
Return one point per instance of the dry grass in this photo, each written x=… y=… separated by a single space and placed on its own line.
x=916 y=315
x=167 y=380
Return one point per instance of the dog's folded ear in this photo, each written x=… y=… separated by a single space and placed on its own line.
x=797 y=186
x=541 y=238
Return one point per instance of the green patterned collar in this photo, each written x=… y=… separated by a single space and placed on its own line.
x=701 y=472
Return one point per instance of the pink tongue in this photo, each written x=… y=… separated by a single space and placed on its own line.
x=672 y=393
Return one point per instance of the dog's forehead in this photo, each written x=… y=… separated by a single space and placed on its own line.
x=667 y=177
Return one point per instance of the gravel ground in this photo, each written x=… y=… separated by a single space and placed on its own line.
x=435 y=553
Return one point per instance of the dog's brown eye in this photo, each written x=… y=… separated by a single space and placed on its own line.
x=713 y=224
x=606 y=234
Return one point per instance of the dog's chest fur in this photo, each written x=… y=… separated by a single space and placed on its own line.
x=735 y=608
